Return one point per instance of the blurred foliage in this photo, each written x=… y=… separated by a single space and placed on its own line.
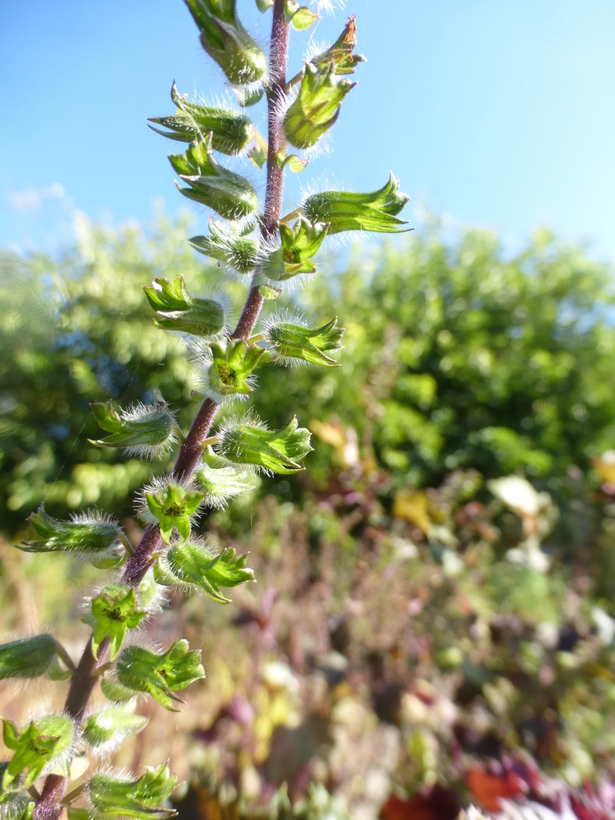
x=455 y=358
x=436 y=588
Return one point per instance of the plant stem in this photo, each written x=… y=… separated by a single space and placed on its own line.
x=85 y=677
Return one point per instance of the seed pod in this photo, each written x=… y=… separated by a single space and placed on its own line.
x=230 y=131
x=347 y=211
x=225 y=192
x=317 y=105
x=226 y=40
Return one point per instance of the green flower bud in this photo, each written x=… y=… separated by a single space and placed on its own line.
x=230 y=131
x=114 y=610
x=275 y=451
x=228 y=369
x=14 y=805
x=292 y=341
x=94 y=535
x=219 y=481
x=141 y=670
x=346 y=211
x=341 y=52
x=192 y=564
x=225 y=192
x=41 y=747
x=317 y=105
x=112 y=726
x=27 y=658
x=227 y=42
x=172 y=505
x=142 y=798
x=264 y=5
x=178 y=310
x=235 y=248
x=299 y=244
x=142 y=430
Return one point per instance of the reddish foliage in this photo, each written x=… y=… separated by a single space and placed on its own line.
x=488 y=789
x=436 y=804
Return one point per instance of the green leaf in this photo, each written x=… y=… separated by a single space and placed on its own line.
x=219 y=481
x=341 y=54
x=277 y=451
x=293 y=341
x=142 y=798
x=142 y=430
x=40 y=747
x=27 y=658
x=192 y=563
x=269 y=292
x=141 y=670
x=173 y=506
x=225 y=192
x=227 y=42
x=230 y=369
x=258 y=156
x=317 y=105
x=229 y=245
x=90 y=534
x=346 y=211
x=114 y=610
x=178 y=310
x=303 y=18
x=295 y=163
x=112 y=725
x=14 y=805
x=230 y=131
x=299 y=244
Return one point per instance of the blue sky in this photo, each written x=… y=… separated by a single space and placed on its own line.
x=498 y=113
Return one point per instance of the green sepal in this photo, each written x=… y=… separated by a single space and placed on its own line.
x=347 y=211
x=141 y=670
x=225 y=192
x=277 y=451
x=219 y=481
x=231 y=367
x=299 y=244
x=114 y=610
x=114 y=691
x=247 y=97
x=178 y=310
x=303 y=18
x=231 y=131
x=292 y=341
x=143 y=430
x=227 y=42
x=173 y=509
x=234 y=248
x=112 y=798
x=340 y=54
x=14 y=805
x=40 y=747
x=112 y=725
x=27 y=658
x=192 y=563
x=91 y=535
x=316 y=107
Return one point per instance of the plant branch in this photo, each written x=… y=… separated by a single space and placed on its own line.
x=85 y=677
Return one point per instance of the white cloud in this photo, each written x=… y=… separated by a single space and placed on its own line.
x=30 y=200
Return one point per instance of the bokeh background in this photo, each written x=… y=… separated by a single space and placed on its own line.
x=433 y=622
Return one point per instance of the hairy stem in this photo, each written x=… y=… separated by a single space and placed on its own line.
x=85 y=677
